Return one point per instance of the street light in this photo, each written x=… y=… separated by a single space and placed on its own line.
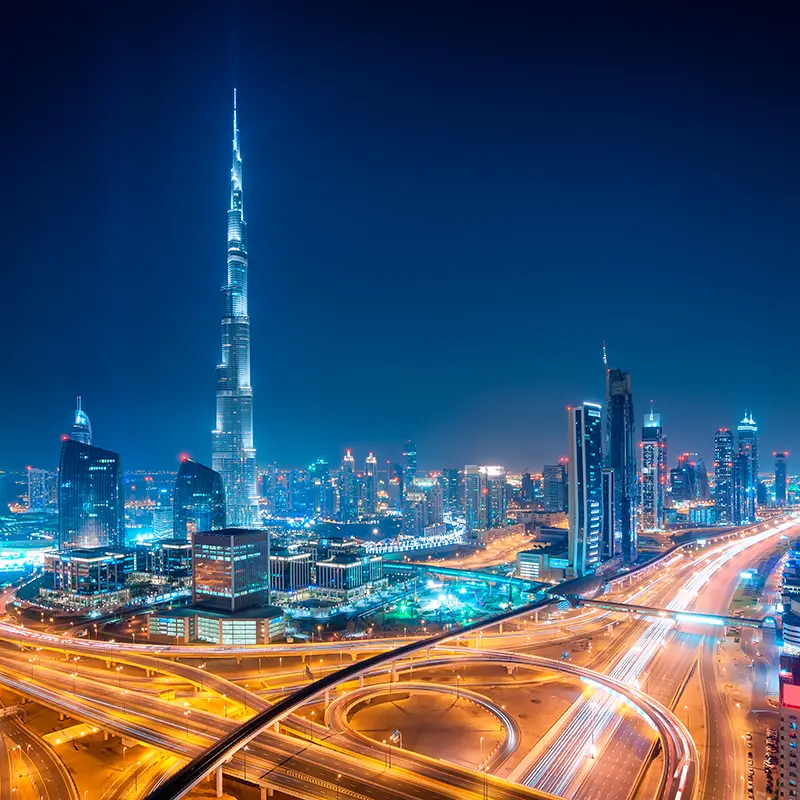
x=186 y=714
x=244 y=750
x=458 y=687
x=338 y=778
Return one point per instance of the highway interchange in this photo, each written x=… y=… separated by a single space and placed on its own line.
x=600 y=747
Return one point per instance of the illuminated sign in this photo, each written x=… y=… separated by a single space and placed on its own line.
x=559 y=563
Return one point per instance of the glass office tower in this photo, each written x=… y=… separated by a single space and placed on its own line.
x=91 y=509
x=585 y=486
x=231 y=569
x=198 y=500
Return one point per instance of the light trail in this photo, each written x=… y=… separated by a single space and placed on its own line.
x=593 y=720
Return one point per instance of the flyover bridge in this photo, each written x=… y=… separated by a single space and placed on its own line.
x=681 y=616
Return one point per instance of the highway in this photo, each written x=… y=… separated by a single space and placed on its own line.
x=562 y=769
x=34 y=764
x=312 y=770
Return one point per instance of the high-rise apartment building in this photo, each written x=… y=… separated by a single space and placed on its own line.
x=555 y=487
x=780 y=478
x=198 y=500
x=81 y=427
x=585 y=487
x=450 y=481
x=348 y=496
x=485 y=497
x=747 y=465
x=653 y=473
x=162 y=515
x=371 y=484
x=723 y=472
x=232 y=448
x=231 y=569
x=621 y=457
x=42 y=489
x=91 y=509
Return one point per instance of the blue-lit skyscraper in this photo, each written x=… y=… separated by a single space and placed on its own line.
x=621 y=457
x=724 y=468
x=653 y=473
x=585 y=484
x=198 y=502
x=232 y=452
x=371 y=484
x=780 y=478
x=747 y=461
x=409 y=463
x=91 y=509
x=81 y=427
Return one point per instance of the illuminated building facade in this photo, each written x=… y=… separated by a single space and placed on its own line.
x=231 y=569
x=653 y=473
x=348 y=496
x=485 y=497
x=611 y=538
x=42 y=489
x=198 y=500
x=780 y=478
x=162 y=515
x=621 y=457
x=747 y=462
x=90 y=497
x=585 y=488
x=370 y=484
x=555 y=487
x=724 y=468
x=81 y=427
x=232 y=449
x=409 y=463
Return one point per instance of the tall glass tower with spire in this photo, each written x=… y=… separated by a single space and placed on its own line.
x=232 y=452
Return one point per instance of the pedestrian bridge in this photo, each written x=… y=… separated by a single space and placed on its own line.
x=680 y=616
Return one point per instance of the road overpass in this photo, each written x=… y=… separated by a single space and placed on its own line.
x=681 y=616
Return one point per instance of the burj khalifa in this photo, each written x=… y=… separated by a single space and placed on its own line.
x=232 y=452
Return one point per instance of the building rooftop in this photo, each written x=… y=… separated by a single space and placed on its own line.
x=198 y=610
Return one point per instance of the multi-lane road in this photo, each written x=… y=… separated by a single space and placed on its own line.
x=649 y=654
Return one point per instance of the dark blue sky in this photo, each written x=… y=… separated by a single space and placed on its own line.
x=450 y=207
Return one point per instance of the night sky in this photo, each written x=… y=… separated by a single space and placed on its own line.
x=450 y=207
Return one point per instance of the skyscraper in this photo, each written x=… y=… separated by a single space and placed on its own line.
x=555 y=487
x=723 y=471
x=585 y=485
x=40 y=484
x=233 y=453
x=90 y=498
x=348 y=499
x=162 y=515
x=198 y=500
x=611 y=545
x=653 y=477
x=485 y=497
x=81 y=427
x=409 y=463
x=780 y=478
x=748 y=465
x=371 y=484
x=621 y=457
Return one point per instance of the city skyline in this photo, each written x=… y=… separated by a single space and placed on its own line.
x=342 y=226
